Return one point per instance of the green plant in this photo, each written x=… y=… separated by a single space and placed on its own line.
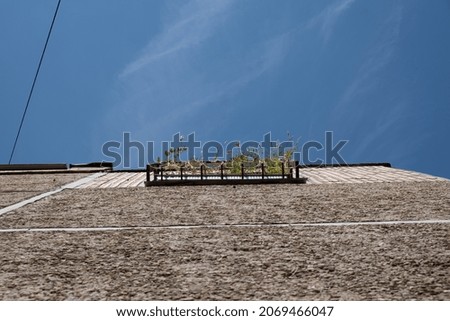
x=236 y=163
x=273 y=165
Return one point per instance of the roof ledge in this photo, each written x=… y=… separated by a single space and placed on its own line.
x=8 y=169
x=344 y=165
x=32 y=167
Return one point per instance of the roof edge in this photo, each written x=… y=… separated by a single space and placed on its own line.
x=31 y=167
x=54 y=168
x=344 y=165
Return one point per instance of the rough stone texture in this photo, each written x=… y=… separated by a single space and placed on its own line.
x=16 y=188
x=193 y=205
x=406 y=262
x=388 y=262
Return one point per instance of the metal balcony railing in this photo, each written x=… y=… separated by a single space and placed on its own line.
x=221 y=173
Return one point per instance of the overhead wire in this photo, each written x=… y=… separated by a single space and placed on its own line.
x=34 y=83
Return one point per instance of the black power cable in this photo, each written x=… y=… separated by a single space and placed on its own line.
x=34 y=82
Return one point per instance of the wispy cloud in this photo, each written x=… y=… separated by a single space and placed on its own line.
x=328 y=17
x=194 y=23
x=184 y=69
x=377 y=58
x=354 y=105
x=264 y=57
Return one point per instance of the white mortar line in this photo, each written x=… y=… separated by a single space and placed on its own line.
x=46 y=194
x=171 y=227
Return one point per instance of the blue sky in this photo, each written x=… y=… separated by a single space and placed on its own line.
x=376 y=73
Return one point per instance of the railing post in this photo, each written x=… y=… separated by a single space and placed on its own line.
x=221 y=171
x=147 y=173
x=242 y=170
x=282 y=170
x=262 y=170
x=161 y=170
x=297 y=171
x=201 y=171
